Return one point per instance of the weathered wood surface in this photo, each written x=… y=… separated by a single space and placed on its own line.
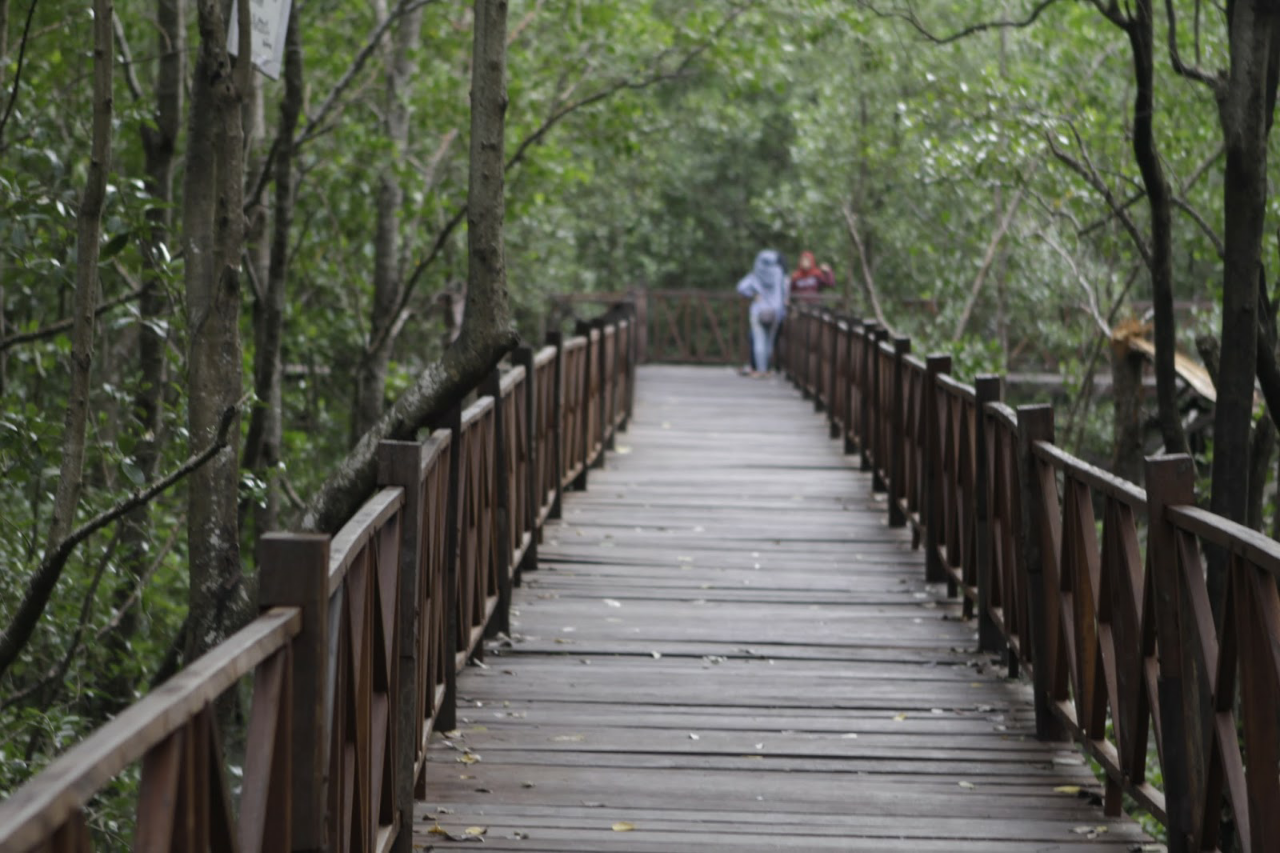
x=728 y=649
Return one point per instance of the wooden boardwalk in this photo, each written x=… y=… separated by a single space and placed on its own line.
x=727 y=649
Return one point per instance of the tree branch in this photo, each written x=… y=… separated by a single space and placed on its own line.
x=1187 y=183
x=313 y=128
x=42 y=582
x=17 y=77
x=53 y=329
x=1091 y=296
x=868 y=280
x=1185 y=206
x=56 y=672
x=987 y=260
x=1094 y=180
x=910 y=17
x=126 y=58
x=1191 y=72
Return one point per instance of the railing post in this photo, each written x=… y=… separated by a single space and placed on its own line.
x=585 y=403
x=1035 y=423
x=1171 y=482
x=400 y=464
x=556 y=339
x=500 y=622
x=988 y=389
x=879 y=464
x=897 y=440
x=447 y=717
x=849 y=382
x=934 y=571
x=807 y=352
x=833 y=413
x=865 y=394
x=819 y=357
x=629 y=397
x=523 y=356
x=295 y=573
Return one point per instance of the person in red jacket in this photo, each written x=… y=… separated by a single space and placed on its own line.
x=809 y=279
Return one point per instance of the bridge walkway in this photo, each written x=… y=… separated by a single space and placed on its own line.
x=726 y=648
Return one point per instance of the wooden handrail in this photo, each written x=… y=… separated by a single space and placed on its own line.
x=44 y=805
x=1047 y=552
x=357 y=655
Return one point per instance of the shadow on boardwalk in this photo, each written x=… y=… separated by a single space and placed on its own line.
x=726 y=649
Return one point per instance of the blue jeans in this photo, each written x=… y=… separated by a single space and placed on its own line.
x=762 y=338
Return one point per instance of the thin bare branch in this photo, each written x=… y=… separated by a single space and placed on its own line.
x=54 y=329
x=911 y=18
x=987 y=260
x=1185 y=206
x=126 y=58
x=1091 y=296
x=868 y=279
x=1191 y=72
x=1094 y=180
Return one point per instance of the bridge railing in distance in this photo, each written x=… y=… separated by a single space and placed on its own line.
x=355 y=656
x=1094 y=585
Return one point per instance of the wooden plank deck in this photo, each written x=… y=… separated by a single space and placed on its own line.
x=727 y=649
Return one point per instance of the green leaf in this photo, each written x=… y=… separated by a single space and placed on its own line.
x=114 y=246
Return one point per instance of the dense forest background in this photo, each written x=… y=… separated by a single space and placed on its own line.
x=982 y=175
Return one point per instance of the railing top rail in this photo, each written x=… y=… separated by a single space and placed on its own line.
x=359 y=529
x=955 y=387
x=915 y=363
x=35 y=810
x=511 y=379
x=477 y=409
x=577 y=342
x=432 y=448
x=544 y=356
x=1091 y=475
x=1258 y=549
x=1003 y=413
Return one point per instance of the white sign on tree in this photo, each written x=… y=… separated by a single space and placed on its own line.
x=270 y=19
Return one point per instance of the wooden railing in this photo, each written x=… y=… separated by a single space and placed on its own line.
x=1094 y=585
x=355 y=656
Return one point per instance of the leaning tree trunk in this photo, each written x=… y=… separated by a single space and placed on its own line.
x=213 y=220
x=1243 y=108
x=487 y=332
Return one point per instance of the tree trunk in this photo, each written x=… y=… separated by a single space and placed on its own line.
x=1243 y=107
x=159 y=144
x=266 y=425
x=487 y=332
x=371 y=378
x=89 y=234
x=1140 y=30
x=213 y=220
x=1126 y=388
x=89 y=231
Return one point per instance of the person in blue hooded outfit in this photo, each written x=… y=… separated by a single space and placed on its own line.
x=766 y=287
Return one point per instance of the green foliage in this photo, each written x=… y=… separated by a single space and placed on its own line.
x=701 y=141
